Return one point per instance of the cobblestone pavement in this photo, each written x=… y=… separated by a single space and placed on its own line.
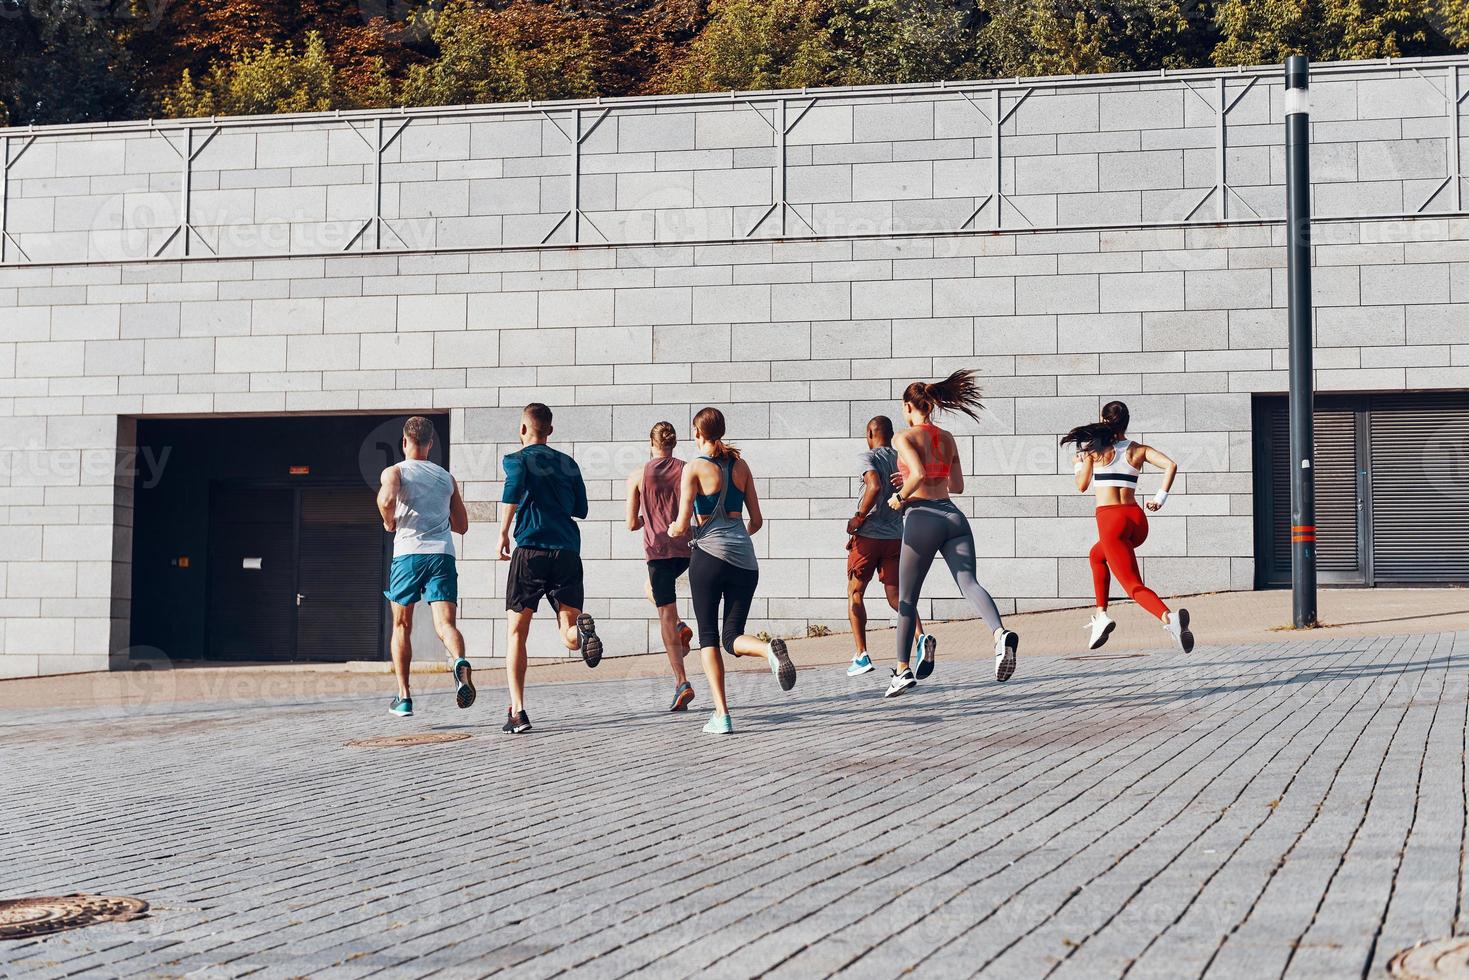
x=1292 y=809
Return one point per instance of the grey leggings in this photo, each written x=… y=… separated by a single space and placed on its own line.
x=931 y=527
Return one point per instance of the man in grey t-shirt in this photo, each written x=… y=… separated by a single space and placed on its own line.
x=877 y=537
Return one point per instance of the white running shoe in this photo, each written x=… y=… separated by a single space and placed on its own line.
x=1007 y=645
x=1177 y=627
x=900 y=683
x=1101 y=626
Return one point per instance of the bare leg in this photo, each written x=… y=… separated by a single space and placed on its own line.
x=446 y=625
x=857 y=612
x=746 y=645
x=668 y=625
x=714 y=673
x=402 y=645
x=566 y=618
x=518 y=624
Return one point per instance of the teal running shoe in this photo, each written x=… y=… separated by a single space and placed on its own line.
x=923 y=662
x=719 y=725
x=402 y=707
x=464 y=684
x=860 y=665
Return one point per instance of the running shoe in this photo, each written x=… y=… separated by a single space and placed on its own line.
x=926 y=646
x=900 y=683
x=860 y=665
x=464 y=685
x=1101 y=626
x=719 y=725
x=780 y=664
x=516 y=722
x=1006 y=647
x=682 y=696
x=1177 y=627
x=685 y=635
x=591 y=644
x=402 y=707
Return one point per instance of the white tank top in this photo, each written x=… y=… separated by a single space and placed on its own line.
x=424 y=492
x=1119 y=472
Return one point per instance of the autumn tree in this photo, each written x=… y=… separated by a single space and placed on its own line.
x=758 y=44
x=271 y=80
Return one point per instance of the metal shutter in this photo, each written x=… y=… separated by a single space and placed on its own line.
x=341 y=577
x=1337 y=527
x=1420 y=489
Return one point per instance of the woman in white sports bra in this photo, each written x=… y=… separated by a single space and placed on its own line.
x=1107 y=460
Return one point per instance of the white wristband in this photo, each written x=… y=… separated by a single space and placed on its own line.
x=1159 y=497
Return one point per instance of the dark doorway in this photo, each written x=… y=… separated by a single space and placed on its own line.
x=259 y=539
x=1392 y=489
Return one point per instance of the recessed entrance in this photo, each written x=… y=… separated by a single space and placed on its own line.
x=259 y=539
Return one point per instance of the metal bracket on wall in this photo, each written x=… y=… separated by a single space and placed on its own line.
x=378 y=146
x=780 y=129
x=1453 y=96
x=188 y=154
x=576 y=138
x=1221 y=107
x=9 y=162
x=997 y=116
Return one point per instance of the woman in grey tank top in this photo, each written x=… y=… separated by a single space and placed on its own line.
x=723 y=569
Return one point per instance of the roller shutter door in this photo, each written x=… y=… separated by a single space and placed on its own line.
x=1338 y=530
x=1420 y=490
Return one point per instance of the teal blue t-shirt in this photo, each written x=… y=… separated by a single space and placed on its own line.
x=546 y=487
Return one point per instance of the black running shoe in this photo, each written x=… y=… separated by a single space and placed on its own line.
x=464 y=693
x=591 y=644
x=516 y=723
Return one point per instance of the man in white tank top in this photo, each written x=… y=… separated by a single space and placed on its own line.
x=420 y=504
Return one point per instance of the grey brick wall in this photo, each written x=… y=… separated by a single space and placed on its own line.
x=800 y=340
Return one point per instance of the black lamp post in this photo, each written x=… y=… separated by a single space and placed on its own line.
x=1302 y=386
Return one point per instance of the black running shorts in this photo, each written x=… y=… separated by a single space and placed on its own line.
x=537 y=572
x=663 y=576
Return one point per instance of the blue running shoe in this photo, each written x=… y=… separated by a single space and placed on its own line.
x=923 y=662
x=719 y=725
x=464 y=684
x=402 y=707
x=860 y=665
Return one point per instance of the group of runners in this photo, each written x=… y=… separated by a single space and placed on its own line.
x=699 y=518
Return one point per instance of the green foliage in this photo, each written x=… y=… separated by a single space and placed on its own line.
x=269 y=80
x=64 y=61
x=758 y=44
x=1268 y=31
x=1065 y=37
x=524 y=51
x=904 y=41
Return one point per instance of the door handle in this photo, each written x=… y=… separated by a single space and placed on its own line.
x=299 y=597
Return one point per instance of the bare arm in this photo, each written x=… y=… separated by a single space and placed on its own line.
x=458 y=513
x=1169 y=468
x=387 y=498
x=507 y=520
x=956 y=469
x=872 y=489
x=688 y=485
x=913 y=463
x=1083 y=463
x=752 y=499
x=634 y=500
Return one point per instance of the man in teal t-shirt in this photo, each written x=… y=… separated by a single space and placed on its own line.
x=544 y=496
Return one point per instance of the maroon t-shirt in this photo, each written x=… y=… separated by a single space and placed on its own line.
x=660 y=507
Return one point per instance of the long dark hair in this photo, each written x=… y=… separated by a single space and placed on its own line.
x=709 y=423
x=1098 y=437
x=958 y=392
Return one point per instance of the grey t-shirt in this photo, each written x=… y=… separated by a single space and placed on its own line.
x=883 y=522
x=425 y=492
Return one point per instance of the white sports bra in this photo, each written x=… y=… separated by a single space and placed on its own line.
x=1119 y=472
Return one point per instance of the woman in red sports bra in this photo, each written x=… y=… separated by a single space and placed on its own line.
x=928 y=463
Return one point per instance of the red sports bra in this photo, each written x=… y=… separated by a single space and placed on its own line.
x=936 y=468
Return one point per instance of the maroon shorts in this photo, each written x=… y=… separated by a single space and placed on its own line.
x=868 y=555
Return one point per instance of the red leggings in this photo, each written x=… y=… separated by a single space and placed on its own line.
x=1122 y=528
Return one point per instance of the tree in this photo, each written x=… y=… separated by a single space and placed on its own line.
x=525 y=51
x=270 y=80
x=64 y=61
x=904 y=41
x=1079 y=37
x=758 y=44
x=1258 y=32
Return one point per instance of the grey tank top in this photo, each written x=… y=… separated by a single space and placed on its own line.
x=722 y=536
x=425 y=490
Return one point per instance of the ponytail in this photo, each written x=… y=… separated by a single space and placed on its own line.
x=709 y=423
x=1098 y=437
x=958 y=392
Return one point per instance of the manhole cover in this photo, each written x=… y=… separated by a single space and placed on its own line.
x=1435 y=959
x=1109 y=656
x=25 y=918
x=402 y=741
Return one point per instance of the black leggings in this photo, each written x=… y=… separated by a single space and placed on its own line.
x=711 y=580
